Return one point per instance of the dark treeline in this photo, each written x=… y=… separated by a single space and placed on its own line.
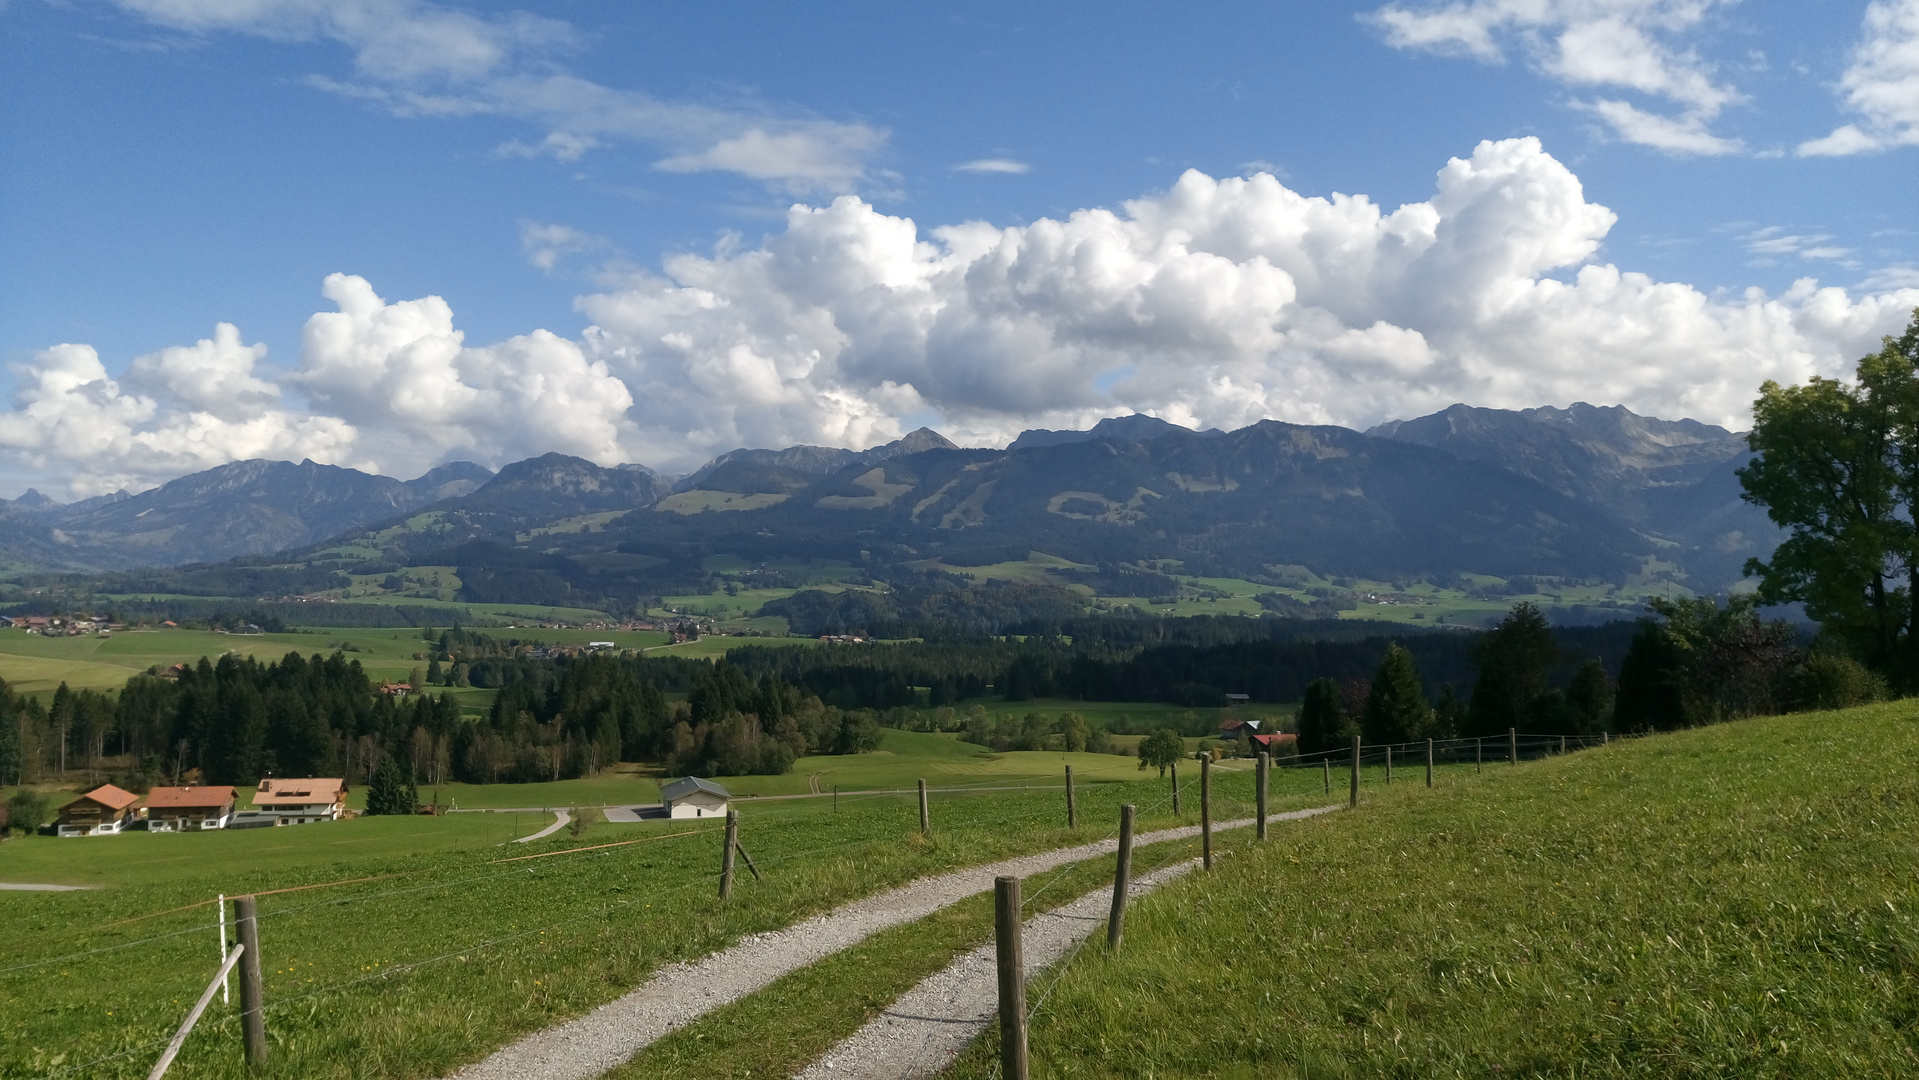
x=1269 y=660
x=930 y=606
x=237 y=720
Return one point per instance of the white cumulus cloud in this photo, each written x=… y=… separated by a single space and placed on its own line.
x=1218 y=302
x=1615 y=44
x=1881 y=84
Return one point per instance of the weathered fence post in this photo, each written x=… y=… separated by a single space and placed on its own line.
x=1512 y=746
x=726 y=855
x=1429 y=763
x=1562 y=744
x=1479 y=756
x=1259 y=793
x=1123 y=871
x=1206 y=811
x=1605 y=738
x=1072 y=816
x=926 y=819
x=1389 y=763
x=836 y=798
x=226 y=981
x=253 y=1017
x=1175 y=787
x=1326 y=766
x=1012 y=979
x=1354 y=800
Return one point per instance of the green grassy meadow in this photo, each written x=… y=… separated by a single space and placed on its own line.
x=1732 y=901
x=436 y=949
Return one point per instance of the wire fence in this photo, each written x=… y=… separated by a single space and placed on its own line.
x=1019 y=818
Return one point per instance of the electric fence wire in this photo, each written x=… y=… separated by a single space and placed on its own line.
x=107 y=948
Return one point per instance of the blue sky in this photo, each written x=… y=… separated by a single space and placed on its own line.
x=170 y=165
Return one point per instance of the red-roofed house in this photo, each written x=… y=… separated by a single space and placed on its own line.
x=1278 y=745
x=185 y=809
x=295 y=802
x=101 y=812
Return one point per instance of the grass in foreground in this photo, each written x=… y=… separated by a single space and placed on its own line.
x=1733 y=901
x=447 y=955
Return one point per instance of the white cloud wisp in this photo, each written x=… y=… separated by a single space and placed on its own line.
x=1218 y=302
x=1601 y=44
x=1881 y=84
x=416 y=58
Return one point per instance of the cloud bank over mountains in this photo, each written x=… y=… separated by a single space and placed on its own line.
x=1218 y=302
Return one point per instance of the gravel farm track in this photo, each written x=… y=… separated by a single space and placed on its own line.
x=679 y=994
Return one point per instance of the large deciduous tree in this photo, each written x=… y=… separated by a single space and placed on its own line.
x=1838 y=469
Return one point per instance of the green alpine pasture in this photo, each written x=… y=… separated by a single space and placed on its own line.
x=1731 y=901
x=434 y=942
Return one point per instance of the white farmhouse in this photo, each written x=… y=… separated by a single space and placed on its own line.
x=692 y=797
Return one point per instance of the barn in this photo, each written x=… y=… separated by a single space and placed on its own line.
x=692 y=797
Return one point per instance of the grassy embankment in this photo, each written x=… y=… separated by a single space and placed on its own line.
x=1735 y=901
x=449 y=951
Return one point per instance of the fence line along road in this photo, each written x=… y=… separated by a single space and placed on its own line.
x=679 y=994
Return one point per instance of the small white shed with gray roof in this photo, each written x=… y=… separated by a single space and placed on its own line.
x=692 y=797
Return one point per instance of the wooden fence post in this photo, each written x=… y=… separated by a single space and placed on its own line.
x=1122 y=873
x=1012 y=979
x=1562 y=744
x=726 y=855
x=836 y=798
x=226 y=988
x=1479 y=756
x=1175 y=787
x=1072 y=816
x=1429 y=763
x=1259 y=792
x=253 y=1017
x=1512 y=746
x=926 y=819
x=1605 y=738
x=1389 y=763
x=1326 y=766
x=1354 y=800
x=1206 y=811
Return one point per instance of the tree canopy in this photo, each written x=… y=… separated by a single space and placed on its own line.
x=1838 y=469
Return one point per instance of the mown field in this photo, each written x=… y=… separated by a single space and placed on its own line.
x=446 y=943
x=1734 y=901
x=33 y=664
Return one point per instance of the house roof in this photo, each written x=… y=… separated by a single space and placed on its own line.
x=298 y=790
x=111 y=797
x=1276 y=737
x=687 y=785
x=205 y=795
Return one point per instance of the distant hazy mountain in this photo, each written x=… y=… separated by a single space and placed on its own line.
x=779 y=470
x=1582 y=493
x=1671 y=478
x=243 y=508
x=1135 y=428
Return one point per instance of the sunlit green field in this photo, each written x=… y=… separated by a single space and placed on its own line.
x=425 y=947
x=1729 y=902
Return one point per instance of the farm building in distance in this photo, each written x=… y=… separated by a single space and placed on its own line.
x=101 y=812
x=298 y=801
x=189 y=809
x=692 y=797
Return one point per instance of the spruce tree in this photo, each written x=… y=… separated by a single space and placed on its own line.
x=1322 y=719
x=391 y=790
x=1396 y=709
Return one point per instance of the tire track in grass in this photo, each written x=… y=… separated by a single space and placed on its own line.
x=679 y=994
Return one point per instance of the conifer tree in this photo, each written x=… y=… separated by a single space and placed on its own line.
x=1396 y=709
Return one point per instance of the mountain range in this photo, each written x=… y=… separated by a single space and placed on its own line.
x=1582 y=493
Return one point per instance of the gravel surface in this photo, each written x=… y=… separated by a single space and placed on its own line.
x=922 y=1032
x=679 y=994
x=563 y=819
